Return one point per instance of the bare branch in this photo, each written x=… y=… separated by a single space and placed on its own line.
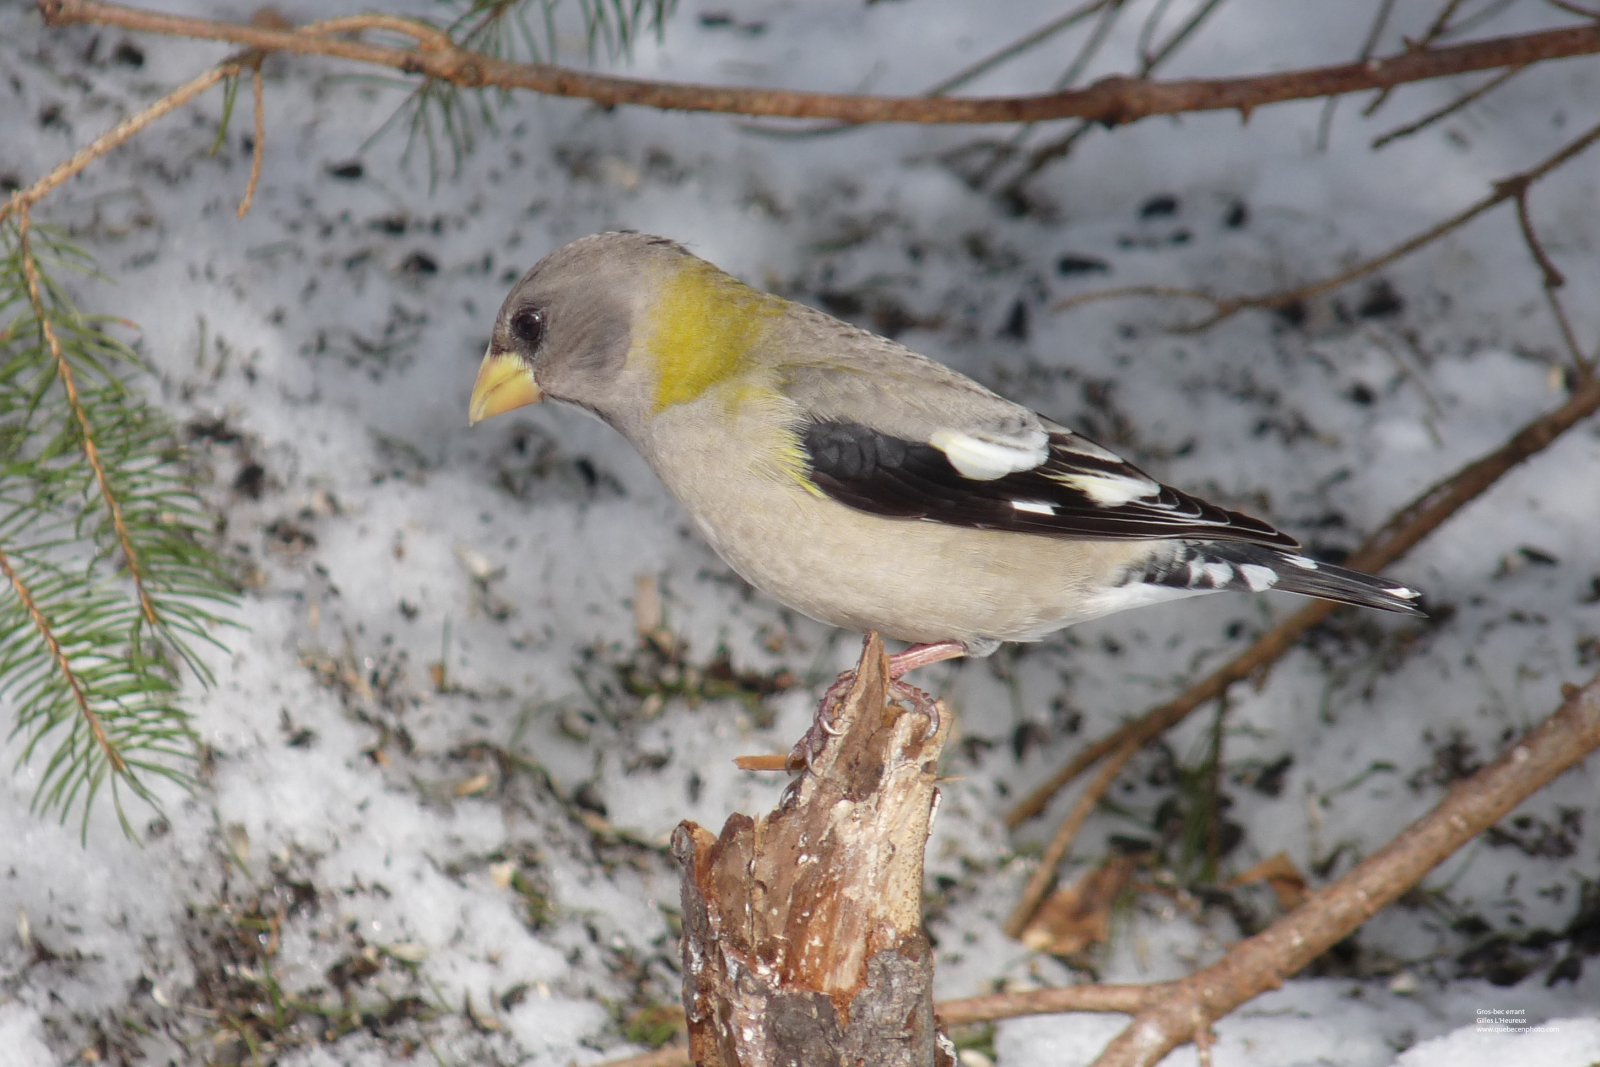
x=1112 y=101
x=1186 y=1009
x=1404 y=529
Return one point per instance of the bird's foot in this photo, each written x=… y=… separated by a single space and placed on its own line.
x=825 y=723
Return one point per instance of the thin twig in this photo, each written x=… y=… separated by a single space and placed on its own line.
x=91 y=451
x=41 y=625
x=1551 y=280
x=1149 y=62
x=1130 y=292
x=258 y=147
x=1575 y=9
x=1123 y=999
x=1007 y=151
x=1370 y=45
x=1447 y=110
x=1404 y=529
x=1110 y=101
x=1224 y=308
x=117 y=136
x=1436 y=29
x=1187 y=1008
x=1027 y=41
x=1044 y=875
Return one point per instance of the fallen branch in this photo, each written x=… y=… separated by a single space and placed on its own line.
x=1404 y=529
x=1169 y=1014
x=1186 y=1009
x=1111 y=101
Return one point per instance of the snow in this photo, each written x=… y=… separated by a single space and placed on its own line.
x=429 y=794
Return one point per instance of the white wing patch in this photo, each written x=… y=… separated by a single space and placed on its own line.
x=1034 y=507
x=1110 y=490
x=984 y=459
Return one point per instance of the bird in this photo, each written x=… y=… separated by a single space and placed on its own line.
x=859 y=482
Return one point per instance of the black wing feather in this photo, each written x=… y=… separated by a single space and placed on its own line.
x=887 y=475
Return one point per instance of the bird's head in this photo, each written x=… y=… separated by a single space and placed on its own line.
x=624 y=325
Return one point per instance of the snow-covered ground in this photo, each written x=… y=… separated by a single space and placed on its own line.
x=434 y=810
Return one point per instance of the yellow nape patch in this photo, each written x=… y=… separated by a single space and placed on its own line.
x=701 y=330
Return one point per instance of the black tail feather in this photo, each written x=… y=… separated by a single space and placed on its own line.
x=1251 y=568
x=1326 y=581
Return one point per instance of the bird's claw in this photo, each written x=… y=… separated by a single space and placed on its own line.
x=825 y=724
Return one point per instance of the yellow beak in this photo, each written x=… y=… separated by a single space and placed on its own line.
x=504 y=384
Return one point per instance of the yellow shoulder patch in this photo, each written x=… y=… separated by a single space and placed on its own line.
x=701 y=330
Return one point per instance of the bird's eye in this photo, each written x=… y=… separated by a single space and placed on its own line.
x=527 y=326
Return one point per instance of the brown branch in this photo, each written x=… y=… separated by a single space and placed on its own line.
x=41 y=626
x=1438 y=29
x=1187 y=1008
x=1111 y=101
x=1404 y=529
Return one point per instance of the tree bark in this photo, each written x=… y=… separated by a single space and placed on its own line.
x=803 y=940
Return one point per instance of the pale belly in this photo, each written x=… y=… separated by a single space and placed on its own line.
x=908 y=579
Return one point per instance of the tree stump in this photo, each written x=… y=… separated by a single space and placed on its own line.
x=803 y=940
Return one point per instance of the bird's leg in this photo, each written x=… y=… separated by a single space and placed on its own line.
x=823 y=725
x=921 y=656
x=903 y=663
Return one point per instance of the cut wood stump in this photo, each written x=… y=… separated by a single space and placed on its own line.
x=803 y=940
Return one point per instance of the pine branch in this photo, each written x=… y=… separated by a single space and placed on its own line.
x=102 y=548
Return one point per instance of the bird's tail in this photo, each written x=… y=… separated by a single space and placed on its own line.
x=1251 y=568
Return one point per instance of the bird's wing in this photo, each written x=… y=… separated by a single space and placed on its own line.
x=933 y=445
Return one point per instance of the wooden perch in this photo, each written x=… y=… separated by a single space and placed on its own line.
x=803 y=939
